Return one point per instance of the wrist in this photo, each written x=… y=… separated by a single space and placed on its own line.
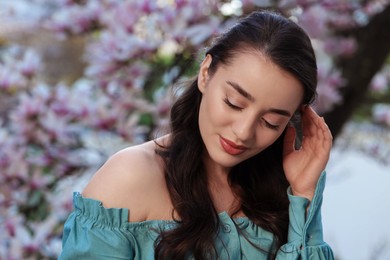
x=306 y=194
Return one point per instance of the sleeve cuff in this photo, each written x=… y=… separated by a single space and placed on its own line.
x=305 y=229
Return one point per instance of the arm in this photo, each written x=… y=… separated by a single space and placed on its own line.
x=305 y=237
x=304 y=170
x=98 y=227
x=134 y=179
x=121 y=182
x=303 y=167
x=94 y=232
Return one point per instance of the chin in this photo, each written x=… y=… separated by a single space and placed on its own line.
x=228 y=161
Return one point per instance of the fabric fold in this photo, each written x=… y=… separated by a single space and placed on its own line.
x=95 y=232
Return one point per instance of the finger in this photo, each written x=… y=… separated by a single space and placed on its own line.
x=289 y=140
x=316 y=132
x=309 y=122
x=326 y=134
x=322 y=142
x=320 y=132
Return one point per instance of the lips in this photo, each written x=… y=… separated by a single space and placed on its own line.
x=231 y=148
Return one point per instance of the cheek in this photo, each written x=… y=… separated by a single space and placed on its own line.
x=266 y=137
x=214 y=112
x=208 y=119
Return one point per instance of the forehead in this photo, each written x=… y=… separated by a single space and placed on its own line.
x=263 y=80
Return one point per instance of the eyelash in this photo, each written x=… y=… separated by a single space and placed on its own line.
x=270 y=126
x=226 y=100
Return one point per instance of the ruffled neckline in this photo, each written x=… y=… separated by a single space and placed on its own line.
x=119 y=216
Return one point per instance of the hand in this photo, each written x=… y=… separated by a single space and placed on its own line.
x=303 y=167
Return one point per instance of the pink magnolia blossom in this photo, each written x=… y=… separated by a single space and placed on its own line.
x=76 y=19
x=327 y=98
x=330 y=81
x=114 y=52
x=30 y=64
x=199 y=33
x=341 y=21
x=342 y=47
x=284 y=4
x=381 y=81
x=373 y=7
x=118 y=13
x=10 y=80
x=52 y=133
x=314 y=20
x=18 y=67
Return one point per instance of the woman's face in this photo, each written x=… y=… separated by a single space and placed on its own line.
x=245 y=107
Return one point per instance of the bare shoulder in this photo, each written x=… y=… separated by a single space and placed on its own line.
x=132 y=178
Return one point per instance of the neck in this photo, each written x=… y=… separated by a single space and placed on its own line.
x=219 y=187
x=223 y=198
x=215 y=172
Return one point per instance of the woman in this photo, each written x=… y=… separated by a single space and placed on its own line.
x=227 y=182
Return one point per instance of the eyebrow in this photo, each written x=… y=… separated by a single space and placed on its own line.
x=240 y=90
x=279 y=112
x=248 y=96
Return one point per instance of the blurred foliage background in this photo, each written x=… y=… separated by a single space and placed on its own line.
x=81 y=79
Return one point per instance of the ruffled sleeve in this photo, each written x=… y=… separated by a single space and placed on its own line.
x=94 y=232
x=305 y=236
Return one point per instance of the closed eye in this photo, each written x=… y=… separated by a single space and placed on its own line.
x=271 y=126
x=226 y=100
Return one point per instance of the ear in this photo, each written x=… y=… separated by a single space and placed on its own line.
x=203 y=75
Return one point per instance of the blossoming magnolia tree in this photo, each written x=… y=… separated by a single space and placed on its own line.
x=134 y=51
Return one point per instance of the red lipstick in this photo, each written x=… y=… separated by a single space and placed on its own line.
x=232 y=148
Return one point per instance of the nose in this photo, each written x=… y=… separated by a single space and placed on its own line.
x=244 y=128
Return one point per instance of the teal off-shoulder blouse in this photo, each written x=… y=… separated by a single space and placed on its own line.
x=95 y=232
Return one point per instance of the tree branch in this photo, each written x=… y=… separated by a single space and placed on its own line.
x=373 y=49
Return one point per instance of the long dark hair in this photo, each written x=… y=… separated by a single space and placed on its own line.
x=258 y=182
